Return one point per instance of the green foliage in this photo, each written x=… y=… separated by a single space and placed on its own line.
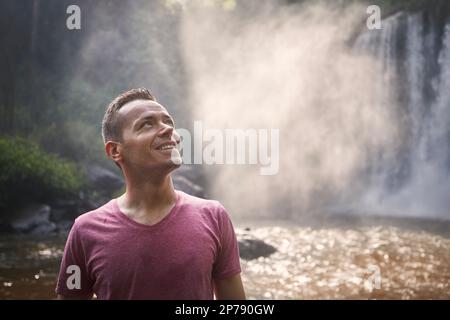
x=27 y=173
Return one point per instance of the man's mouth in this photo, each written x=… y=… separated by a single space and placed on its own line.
x=167 y=146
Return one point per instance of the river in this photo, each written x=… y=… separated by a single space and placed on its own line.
x=372 y=262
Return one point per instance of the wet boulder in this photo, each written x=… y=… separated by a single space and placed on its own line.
x=63 y=210
x=33 y=219
x=102 y=179
x=188 y=180
x=187 y=186
x=252 y=248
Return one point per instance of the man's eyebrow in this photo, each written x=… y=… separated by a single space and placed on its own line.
x=151 y=116
x=167 y=116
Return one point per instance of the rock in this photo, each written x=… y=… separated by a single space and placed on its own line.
x=64 y=210
x=44 y=228
x=103 y=180
x=193 y=174
x=252 y=248
x=89 y=204
x=102 y=184
x=64 y=226
x=185 y=185
x=34 y=218
x=189 y=179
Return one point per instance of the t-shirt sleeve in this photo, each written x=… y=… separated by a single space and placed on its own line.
x=74 y=280
x=227 y=263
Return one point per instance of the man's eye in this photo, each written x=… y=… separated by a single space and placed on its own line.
x=147 y=124
x=170 y=122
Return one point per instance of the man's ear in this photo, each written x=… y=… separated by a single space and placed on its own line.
x=113 y=151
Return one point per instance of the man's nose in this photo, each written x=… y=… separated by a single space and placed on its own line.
x=166 y=130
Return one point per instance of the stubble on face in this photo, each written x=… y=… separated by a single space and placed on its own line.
x=141 y=134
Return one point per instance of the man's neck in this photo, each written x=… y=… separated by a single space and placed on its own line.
x=148 y=198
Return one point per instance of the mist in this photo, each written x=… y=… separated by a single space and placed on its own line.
x=294 y=69
x=362 y=114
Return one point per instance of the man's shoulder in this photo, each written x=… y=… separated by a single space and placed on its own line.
x=90 y=217
x=201 y=203
x=210 y=209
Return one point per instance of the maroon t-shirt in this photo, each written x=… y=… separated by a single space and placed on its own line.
x=177 y=258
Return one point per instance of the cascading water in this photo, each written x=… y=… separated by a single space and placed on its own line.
x=363 y=122
x=415 y=59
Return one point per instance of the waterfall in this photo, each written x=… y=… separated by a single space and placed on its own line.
x=363 y=118
x=415 y=81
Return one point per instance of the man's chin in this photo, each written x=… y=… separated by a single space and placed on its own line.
x=171 y=164
x=167 y=163
x=175 y=158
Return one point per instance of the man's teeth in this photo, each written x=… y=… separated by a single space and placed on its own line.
x=166 y=147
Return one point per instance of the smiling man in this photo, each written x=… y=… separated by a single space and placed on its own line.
x=153 y=242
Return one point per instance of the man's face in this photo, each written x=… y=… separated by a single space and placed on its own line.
x=149 y=139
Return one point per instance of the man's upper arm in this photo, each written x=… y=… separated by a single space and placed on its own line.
x=227 y=261
x=227 y=268
x=230 y=288
x=74 y=281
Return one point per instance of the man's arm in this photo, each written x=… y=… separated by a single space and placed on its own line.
x=74 y=282
x=229 y=288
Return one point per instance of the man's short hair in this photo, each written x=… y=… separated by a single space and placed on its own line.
x=112 y=124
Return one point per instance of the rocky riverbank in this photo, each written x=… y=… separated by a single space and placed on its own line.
x=102 y=185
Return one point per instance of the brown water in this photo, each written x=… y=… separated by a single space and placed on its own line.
x=343 y=264
x=29 y=266
x=333 y=263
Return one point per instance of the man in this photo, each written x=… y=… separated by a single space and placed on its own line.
x=153 y=242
